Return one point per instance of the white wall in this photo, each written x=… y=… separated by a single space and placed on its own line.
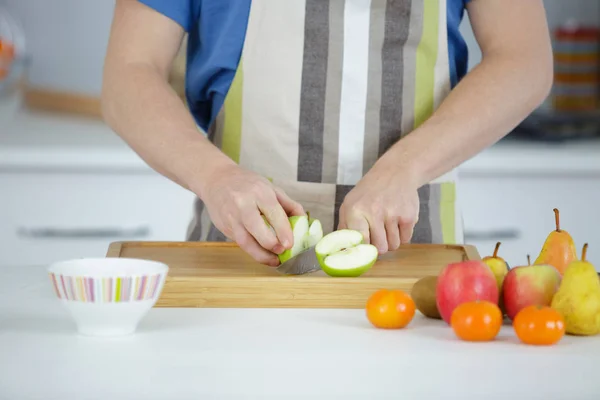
x=75 y=33
x=67 y=40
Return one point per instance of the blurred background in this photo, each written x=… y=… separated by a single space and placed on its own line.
x=69 y=186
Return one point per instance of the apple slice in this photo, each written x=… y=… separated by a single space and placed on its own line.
x=305 y=235
x=342 y=253
x=315 y=233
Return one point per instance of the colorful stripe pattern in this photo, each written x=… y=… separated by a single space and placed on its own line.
x=327 y=88
x=106 y=290
x=577 y=69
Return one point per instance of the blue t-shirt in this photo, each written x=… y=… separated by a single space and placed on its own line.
x=216 y=31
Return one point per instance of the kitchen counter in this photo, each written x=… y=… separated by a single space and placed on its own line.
x=39 y=140
x=516 y=156
x=43 y=140
x=263 y=353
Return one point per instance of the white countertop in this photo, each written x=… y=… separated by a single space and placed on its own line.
x=270 y=353
x=46 y=140
x=43 y=140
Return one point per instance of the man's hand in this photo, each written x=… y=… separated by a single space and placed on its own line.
x=513 y=78
x=236 y=198
x=383 y=206
x=139 y=104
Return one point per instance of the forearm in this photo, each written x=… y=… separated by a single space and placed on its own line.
x=485 y=106
x=513 y=78
x=142 y=108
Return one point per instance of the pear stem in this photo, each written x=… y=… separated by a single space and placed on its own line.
x=584 y=252
x=496 y=250
x=308 y=215
x=528 y=259
x=557 y=219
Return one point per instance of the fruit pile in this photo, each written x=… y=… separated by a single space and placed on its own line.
x=559 y=294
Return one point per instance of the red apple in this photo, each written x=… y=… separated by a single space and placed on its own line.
x=529 y=285
x=462 y=282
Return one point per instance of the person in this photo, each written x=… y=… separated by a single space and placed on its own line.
x=359 y=111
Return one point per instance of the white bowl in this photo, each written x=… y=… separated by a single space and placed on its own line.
x=108 y=296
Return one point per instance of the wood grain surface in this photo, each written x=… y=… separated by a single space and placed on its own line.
x=220 y=274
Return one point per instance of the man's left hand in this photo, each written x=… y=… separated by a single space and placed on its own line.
x=383 y=206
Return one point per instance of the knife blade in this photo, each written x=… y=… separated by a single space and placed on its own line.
x=300 y=264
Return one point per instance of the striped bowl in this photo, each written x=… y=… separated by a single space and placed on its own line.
x=108 y=296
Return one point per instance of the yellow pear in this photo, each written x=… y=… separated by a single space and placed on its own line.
x=578 y=298
x=497 y=265
x=558 y=249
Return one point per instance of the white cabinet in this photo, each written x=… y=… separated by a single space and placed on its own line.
x=56 y=215
x=516 y=209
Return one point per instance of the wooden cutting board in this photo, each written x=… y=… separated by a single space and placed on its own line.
x=209 y=274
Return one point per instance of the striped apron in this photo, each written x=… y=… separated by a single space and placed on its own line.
x=323 y=89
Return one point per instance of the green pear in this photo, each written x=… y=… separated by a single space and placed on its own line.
x=343 y=253
x=578 y=298
x=306 y=234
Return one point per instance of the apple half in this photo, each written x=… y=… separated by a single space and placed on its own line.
x=343 y=253
x=307 y=233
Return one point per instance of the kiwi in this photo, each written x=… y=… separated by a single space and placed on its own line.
x=423 y=294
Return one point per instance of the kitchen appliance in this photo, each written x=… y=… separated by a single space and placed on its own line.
x=221 y=274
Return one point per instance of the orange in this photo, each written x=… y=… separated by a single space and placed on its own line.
x=476 y=321
x=390 y=309
x=539 y=325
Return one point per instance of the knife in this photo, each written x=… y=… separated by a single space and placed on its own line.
x=300 y=264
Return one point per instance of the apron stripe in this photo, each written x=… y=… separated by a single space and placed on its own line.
x=340 y=194
x=448 y=212
x=215 y=132
x=442 y=69
x=422 y=231
x=397 y=24
x=202 y=228
x=372 y=117
x=195 y=229
x=410 y=68
x=232 y=125
x=333 y=91
x=272 y=62
x=215 y=235
x=354 y=91
x=312 y=102
x=426 y=58
x=435 y=218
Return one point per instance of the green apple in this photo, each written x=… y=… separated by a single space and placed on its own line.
x=343 y=253
x=306 y=233
x=315 y=232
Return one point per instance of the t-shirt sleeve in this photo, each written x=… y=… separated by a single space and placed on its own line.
x=179 y=11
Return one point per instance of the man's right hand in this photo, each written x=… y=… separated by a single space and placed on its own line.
x=236 y=200
x=139 y=104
